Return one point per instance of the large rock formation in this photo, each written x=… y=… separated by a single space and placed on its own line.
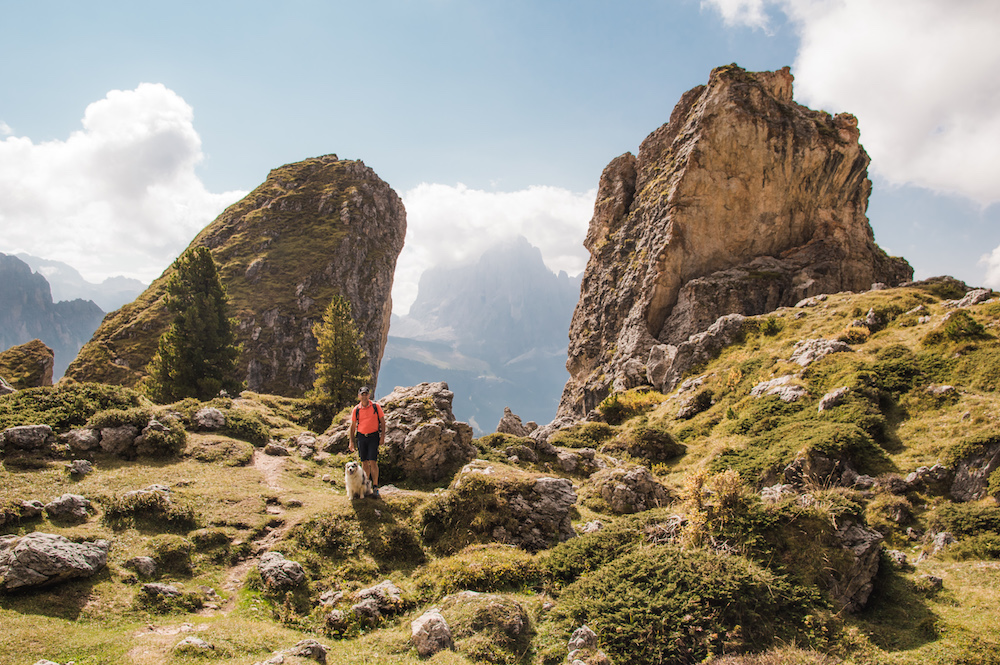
x=27 y=365
x=744 y=202
x=312 y=230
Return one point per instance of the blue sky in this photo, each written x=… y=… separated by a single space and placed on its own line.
x=126 y=127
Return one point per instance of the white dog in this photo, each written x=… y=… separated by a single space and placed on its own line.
x=357 y=482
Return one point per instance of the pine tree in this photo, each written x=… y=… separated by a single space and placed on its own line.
x=197 y=354
x=343 y=365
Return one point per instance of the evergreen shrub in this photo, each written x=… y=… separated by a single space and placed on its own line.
x=65 y=407
x=489 y=567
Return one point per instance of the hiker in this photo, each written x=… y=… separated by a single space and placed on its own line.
x=368 y=426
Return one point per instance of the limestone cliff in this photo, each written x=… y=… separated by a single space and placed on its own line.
x=743 y=202
x=313 y=229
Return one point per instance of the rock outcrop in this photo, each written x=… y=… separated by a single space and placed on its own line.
x=28 y=365
x=423 y=440
x=742 y=203
x=312 y=230
x=39 y=559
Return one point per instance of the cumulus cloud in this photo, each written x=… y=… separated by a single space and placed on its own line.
x=119 y=197
x=919 y=74
x=992 y=263
x=456 y=224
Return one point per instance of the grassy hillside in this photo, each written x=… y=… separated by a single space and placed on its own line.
x=714 y=573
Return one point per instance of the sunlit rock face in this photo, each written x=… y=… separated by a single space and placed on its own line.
x=745 y=201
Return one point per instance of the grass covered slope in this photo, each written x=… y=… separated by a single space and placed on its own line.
x=717 y=572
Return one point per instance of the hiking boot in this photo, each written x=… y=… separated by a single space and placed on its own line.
x=375 y=494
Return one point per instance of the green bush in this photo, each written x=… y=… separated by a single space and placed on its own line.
x=887 y=511
x=616 y=408
x=136 y=417
x=966 y=519
x=489 y=628
x=584 y=435
x=246 y=425
x=959 y=326
x=64 y=407
x=171 y=553
x=980 y=546
x=663 y=604
x=651 y=442
x=568 y=560
x=149 y=509
x=490 y=567
x=187 y=601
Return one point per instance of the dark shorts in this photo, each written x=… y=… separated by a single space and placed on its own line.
x=367 y=446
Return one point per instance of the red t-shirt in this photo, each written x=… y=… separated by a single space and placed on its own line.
x=366 y=418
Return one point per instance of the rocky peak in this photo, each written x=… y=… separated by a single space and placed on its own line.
x=312 y=230
x=743 y=202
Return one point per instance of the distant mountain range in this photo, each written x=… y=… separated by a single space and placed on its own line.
x=68 y=284
x=27 y=312
x=495 y=331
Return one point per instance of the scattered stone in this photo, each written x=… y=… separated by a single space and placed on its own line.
x=897 y=557
x=145 y=566
x=812 y=301
x=973 y=297
x=940 y=541
x=924 y=476
x=430 y=633
x=161 y=591
x=80 y=467
x=330 y=598
x=582 y=638
x=193 y=645
x=593 y=526
x=511 y=424
x=31 y=509
x=941 y=391
x=809 y=351
x=387 y=599
x=68 y=506
x=33 y=438
x=209 y=418
x=279 y=573
x=833 y=398
x=783 y=387
x=629 y=490
x=276 y=449
x=39 y=559
x=775 y=493
x=83 y=440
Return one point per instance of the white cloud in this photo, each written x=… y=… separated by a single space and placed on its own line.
x=447 y=225
x=992 y=263
x=919 y=74
x=5 y=129
x=119 y=197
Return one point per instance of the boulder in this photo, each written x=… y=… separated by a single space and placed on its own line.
x=275 y=449
x=209 y=418
x=119 y=440
x=423 y=440
x=68 y=507
x=745 y=201
x=784 y=387
x=278 y=573
x=806 y=352
x=833 y=398
x=80 y=467
x=39 y=559
x=31 y=365
x=629 y=489
x=973 y=297
x=380 y=600
x=511 y=424
x=34 y=438
x=193 y=645
x=143 y=565
x=83 y=439
x=851 y=587
x=430 y=633
x=972 y=473
x=667 y=363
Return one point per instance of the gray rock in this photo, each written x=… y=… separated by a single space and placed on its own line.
x=39 y=559
x=68 y=506
x=158 y=590
x=193 y=645
x=368 y=608
x=80 y=467
x=31 y=509
x=6 y=388
x=276 y=449
x=143 y=565
x=423 y=439
x=972 y=473
x=83 y=440
x=280 y=573
x=583 y=638
x=28 y=437
x=851 y=590
x=209 y=418
x=973 y=297
x=430 y=633
x=784 y=387
x=667 y=363
x=809 y=351
x=897 y=557
x=308 y=649
x=833 y=398
x=629 y=490
x=119 y=440
x=775 y=493
x=511 y=424
x=940 y=541
x=387 y=596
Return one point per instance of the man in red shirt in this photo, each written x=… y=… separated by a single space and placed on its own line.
x=368 y=427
